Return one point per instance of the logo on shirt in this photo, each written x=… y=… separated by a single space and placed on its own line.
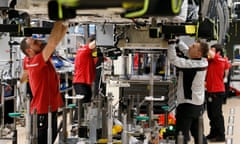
x=32 y=65
x=82 y=49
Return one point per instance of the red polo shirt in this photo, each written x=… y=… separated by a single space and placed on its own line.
x=215 y=74
x=44 y=83
x=85 y=69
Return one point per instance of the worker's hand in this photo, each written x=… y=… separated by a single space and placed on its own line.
x=65 y=23
x=225 y=80
x=211 y=53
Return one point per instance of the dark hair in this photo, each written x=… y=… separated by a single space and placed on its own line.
x=204 y=47
x=91 y=38
x=219 y=48
x=24 y=46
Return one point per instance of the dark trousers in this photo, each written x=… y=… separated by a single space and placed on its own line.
x=215 y=114
x=227 y=86
x=42 y=127
x=187 y=120
x=86 y=90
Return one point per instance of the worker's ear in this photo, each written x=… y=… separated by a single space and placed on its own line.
x=28 y=51
x=200 y=54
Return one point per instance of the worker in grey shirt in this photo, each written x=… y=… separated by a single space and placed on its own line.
x=192 y=67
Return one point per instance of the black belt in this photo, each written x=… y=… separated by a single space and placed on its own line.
x=215 y=93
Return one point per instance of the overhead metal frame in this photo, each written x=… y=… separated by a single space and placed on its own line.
x=9 y=28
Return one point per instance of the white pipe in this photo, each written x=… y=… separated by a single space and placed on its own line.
x=35 y=134
x=49 y=125
x=28 y=120
x=110 y=119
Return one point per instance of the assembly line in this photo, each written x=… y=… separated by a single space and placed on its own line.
x=119 y=72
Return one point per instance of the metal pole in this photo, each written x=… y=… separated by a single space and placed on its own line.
x=10 y=55
x=14 y=138
x=124 y=133
x=79 y=115
x=66 y=80
x=34 y=123
x=129 y=110
x=110 y=119
x=151 y=92
x=93 y=124
x=14 y=120
x=180 y=138
x=64 y=126
x=2 y=105
x=28 y=120
x=71 y=116
x=49 y=125
x=104 y=118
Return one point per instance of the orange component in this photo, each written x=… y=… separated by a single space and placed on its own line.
x=171 y=119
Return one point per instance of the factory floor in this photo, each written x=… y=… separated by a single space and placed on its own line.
x=231 y=111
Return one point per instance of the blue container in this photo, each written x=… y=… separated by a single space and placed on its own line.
x=8 y=91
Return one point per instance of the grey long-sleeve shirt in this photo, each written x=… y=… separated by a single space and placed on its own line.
x=191 y=78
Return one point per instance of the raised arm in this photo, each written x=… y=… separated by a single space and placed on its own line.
x=24 y=76
x=183 y=62
x=56 y=35
x=183 y=47
x=211 y=54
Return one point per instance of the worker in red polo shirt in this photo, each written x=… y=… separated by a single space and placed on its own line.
x=218 y=67
x=84 y=74
x=43 y=79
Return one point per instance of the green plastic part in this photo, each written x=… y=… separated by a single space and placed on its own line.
x=14 y=115
x=142 y=118
x=165 y=107
x=71 y=105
